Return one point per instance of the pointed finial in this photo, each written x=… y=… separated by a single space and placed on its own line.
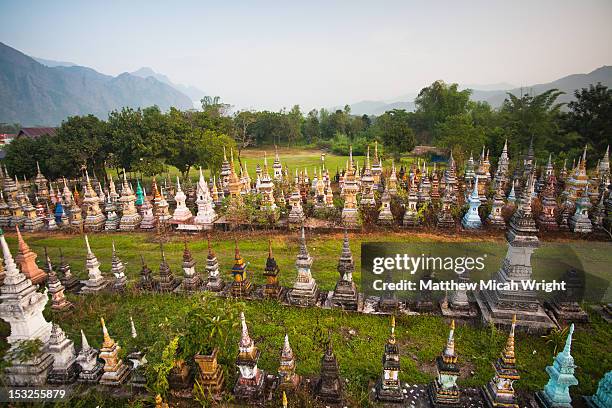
x=269 y=248
x=284 y=400
x=568 y=342
x=133 y=328
x=87 y=243
x=84 y=342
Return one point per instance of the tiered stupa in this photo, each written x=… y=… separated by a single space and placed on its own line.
x=94 y=220
x=146 y=209
x=26 y=259
x=70 y=282
x=241 y=284
x=167 y=282
x=21 y=306
x=328 y=388
x=192 y=281
x=305 y=291
x=64 y=369
x=499 y=392
x=146 y=281
x=561 y=377
x=96 y=281
x=90 y=367
x=250 y=383
x=272 y=288
x=206 y=214
x=388 y=389
x=289 y=380
x=411 y=217
x=350 y=213
x=296 y=214
x=181 y=214
x=345 y=293
x=499 y=306
x=471 y=219
x=115 y=371
x=56 y=289
x=214 y=282
x=443 y=390
x=130 y=219
x=603 y=396
x=118 y=271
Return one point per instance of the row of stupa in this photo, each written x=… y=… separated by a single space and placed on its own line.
x=55 y=361
x=569 y=199
x=497 y=306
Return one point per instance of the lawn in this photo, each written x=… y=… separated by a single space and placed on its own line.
x=358 y=339
x=294 y=158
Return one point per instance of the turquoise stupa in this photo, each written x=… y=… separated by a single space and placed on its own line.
x=561 y=377
x=603 y=396
x=139 y=194
x=471 y=219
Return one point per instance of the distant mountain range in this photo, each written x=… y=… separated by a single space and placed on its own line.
x=495 y=94
x=195 y=94
x=35 y=94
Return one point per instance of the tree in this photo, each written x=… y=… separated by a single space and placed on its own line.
x=294 y=120
x=459 y=133
x=395 y=131
x=243 y=131
x=213 y=106
x=437 y=102
x=311 y=127
x=590 y=115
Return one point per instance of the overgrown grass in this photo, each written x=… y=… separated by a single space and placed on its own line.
x=358 y=339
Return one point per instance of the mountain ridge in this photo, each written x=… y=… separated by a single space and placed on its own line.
x=35 y=94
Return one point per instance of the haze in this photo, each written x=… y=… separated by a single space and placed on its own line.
x=271 y=55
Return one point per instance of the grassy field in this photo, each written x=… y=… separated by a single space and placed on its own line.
x=294 y=158
x=358 y=339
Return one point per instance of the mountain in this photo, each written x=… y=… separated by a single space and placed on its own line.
x=191 y=91
x=495 y=94
x=567 y=84
x=36 y=94
x=52 y=63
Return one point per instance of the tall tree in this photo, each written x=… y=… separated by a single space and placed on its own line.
x=395 y=131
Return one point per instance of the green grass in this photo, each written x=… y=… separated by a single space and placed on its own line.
x=294 y=158
x=358 y=339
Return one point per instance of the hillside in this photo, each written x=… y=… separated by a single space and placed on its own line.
x=495 y=97
x=34 y=94
x=194 y=93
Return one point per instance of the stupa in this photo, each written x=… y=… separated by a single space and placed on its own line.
x=385 y=217
x=118 y=271
x=471 y=219
x=21 y=306
x=26 y=259
x=192 y=281
x=547 y=220
x=40 y=181
x=272 y=288
x=305 y=291
x=210 y=374
x=50 y=222
x=56 y=289
x=367 y=184
x=376 y=167
x=445 y=216
x=561 y=377
x=565 y=304
x=241 y=284
x=5 y=212
x=288 y=379
x=146 y=209
x=495 y=218
x=411 y=216
x=146 y=282
x=388 y=389
x=499 y=306
x=250 y=383
x=350 y=213
x=91 y=369
x=580 y=221
x=603 y=396
x=167 y=282
x=181 y=213
x=214 y=282
x=345 y=293
x=96 y=281
x=328 y=388
x=443 y=390
x=206 y=214
x=115 y=372
x=138 y=361
x=61 y=348
x=296 y=214
x=94 y=221
x=266 y=188
x=130 y=219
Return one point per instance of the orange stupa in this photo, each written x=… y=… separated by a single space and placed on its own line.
x=26 y=260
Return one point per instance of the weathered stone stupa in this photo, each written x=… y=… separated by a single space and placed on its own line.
x=96 y=281
x=389 y=387
x=345 y=293
x=305 y=291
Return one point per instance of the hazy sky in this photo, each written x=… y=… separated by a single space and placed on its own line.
x=264 y=54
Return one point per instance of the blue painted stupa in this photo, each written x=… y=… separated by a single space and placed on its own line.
x=603 y=396
x=561 y=377
x=471 y=219
x=59 y=212
x=139 y=194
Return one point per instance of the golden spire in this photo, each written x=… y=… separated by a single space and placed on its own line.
x=392 y=338
x=284 y=400
x=508 y=354
x=108 y=342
